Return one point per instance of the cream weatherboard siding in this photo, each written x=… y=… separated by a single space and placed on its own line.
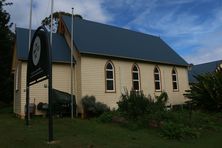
x=90 y=80
x=17 y=89
x=93 y=80
x=39 y=91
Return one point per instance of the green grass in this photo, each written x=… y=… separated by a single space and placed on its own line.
x=85 y=133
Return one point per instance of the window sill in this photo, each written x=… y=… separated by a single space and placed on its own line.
x=110 y=91
x=176 y=90
x=158 y=90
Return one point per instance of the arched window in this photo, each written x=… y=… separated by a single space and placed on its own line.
x=174 y=79
x=135 y=77
x=157 y=81
x=109 y=77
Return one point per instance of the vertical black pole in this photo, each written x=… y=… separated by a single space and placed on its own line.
x=50 y=96
x=27 y=105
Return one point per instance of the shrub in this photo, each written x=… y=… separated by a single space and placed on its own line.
x=133 y=104
x=88 y=103
x=112 y=116
x=206 y=94
x=106 y=117
x=101 y=108
x=92 y=108
x=177 y=131
x=137 y=104
x=162 y=100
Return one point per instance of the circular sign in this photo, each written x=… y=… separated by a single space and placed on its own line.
x=36 y=51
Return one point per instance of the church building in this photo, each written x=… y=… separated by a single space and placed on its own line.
x=107 y=61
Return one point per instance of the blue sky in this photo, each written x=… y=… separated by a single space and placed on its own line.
x=193 y=28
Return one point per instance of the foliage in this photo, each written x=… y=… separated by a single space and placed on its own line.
x=56 y=16
x=93 y=108
x=178 y=124
x=82 y=133
x=206 y=94
x=101 y=108
x=162 y=99
x=136 y=104
x=133 y=104
x=136 y=111
x=145 y=112
x=106 y=117
x=178 y=131
x=111 y=116
x=171 y=124
x=6 y=40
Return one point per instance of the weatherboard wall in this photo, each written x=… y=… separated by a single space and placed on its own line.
x=93 y=79
x=17 y=89
x=39 y=91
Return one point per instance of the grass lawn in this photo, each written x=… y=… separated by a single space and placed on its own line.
x=79 y=133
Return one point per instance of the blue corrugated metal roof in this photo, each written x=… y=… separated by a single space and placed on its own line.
x=100 y=39
x=203 y=69
x=60 y=49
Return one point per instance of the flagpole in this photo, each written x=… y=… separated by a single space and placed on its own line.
x=50 y=126
x=52 y=3
x=30 y=25
x=27 y=86
x=71 y=58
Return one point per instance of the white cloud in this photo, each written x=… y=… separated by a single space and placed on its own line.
x=204 y=55
x=89 y=9
x=184 y=29
x=210 y=48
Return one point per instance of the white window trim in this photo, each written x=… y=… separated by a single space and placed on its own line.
x=110 y=79
x=159 y=81
x=175 y=81
x=136 y=80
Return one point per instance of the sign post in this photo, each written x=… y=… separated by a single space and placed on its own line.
x=39 y=68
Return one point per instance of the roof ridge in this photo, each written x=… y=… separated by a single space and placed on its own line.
x=103 y=39
x=209 y=62
x=26 y=29
x=117 y=27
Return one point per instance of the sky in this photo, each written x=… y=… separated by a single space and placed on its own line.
x=193 y=28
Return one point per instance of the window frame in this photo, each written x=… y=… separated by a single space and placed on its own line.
x=157 y=81
x=138 y=75
x=175 y=81
x=110 y=79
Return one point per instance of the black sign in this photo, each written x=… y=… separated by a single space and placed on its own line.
x=39 y=68
x=38 y=56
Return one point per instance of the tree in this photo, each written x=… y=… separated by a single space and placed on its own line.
x=206 y=94
x=6 y=39
x=47 y=21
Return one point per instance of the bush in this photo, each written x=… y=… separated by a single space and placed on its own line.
x=137 y=104
x=92 y=108
x=162 y=100
x=177 y=131
x=106 y=117
x=178 y=125
x=206 y=94
x=113 y=116
x=101 y=108
x=133 y=104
